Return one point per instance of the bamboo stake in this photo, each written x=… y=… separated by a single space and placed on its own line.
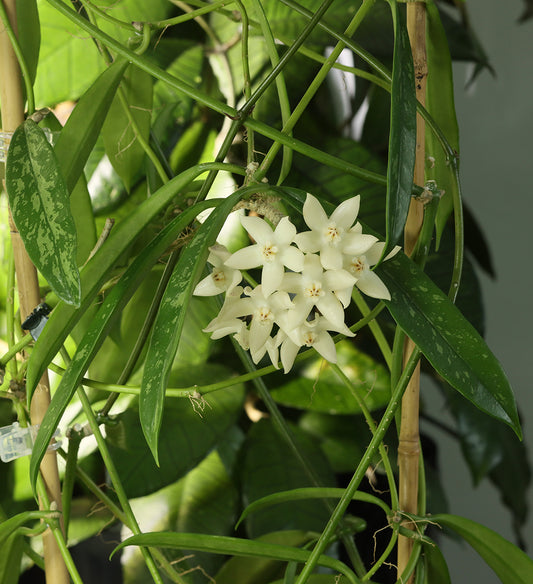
x=409 y=448
x=28 y=288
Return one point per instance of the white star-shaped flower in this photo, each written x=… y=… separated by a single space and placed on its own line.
x=310 y=333
x=316 y=287
x=333 y=236
x=272 y=250
x=365 y=279
x=229 y=321
x=222 y=278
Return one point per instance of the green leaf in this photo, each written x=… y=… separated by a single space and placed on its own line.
x=402 y=138
x=316 y=387
x=447 y=339
x=261 y=571
x=100 y=326
x=233 y=546
x=94 y=274
x=190 y=429
x=436 y=567
x=10 y=559
x=29 y=34
x=511 y=564
x=41 y=210
x=121 y=144
x=83 y=126
x=440 y=104
x=268 y=467
x=170 y=319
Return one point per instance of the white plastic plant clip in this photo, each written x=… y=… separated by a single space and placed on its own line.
x=16 y=441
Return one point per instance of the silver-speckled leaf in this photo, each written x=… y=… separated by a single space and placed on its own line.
x=40 y=206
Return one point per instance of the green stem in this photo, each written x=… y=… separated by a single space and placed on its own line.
x=373 y=325
x=117 y=483
x=10 y=314
x=191 y=15
x=217 y=106
x=371 y=424
x=90 y=7
x=359 y=474
x=14 y=349
x=315 y=84
x=70 y=475
x=383 y=558
x=58 y=534
x=205 y=389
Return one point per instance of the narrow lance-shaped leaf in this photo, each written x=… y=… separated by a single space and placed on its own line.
x=40 y=205
x=79 y=135
x=94 y=274
x=100 y=326
x=402 y=137
x=440 y=104
x=449 y=342
x=218 y=544
x=170 y=318
x=510 y=563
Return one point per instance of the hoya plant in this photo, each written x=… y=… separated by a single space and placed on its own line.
x=233 y=252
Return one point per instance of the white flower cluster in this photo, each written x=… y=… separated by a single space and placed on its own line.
x=301 y=305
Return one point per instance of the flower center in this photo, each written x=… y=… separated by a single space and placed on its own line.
x=333 y=234
x=357 y=265
x=218 y=276
x=309 y=338
x=264 y=314
x=269 y=252
x=314 y=290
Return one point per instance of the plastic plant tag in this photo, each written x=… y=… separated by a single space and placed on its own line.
x=16 y=441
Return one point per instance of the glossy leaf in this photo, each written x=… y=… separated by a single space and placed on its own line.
x=233 y=546
x=170 y=318
x=440 y=104
x=402 y=138
x=511 y=564
x=447 y=339
x=268 y=467
x=95 y=273
x=83 y=126
x=41 y=210
x=316 y=387
x=100 y=326
x=121 y=144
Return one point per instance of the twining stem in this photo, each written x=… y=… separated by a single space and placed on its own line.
x=409 y=439
x=11 y=101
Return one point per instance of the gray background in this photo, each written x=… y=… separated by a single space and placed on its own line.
x=496 y=125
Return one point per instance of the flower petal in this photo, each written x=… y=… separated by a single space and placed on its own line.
x=370 y=284
x=314 y=214
x=246 y=258
x=326 y=347
x=284 y=232
x=288 y=353
x=271 y=277
x=339 y=279
x=293 y=258
x=331 y=257
x=308 y=241
x=332 y=309
x=358 y=243
x=208 y=287
x=346 y=213
x=258 y=228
